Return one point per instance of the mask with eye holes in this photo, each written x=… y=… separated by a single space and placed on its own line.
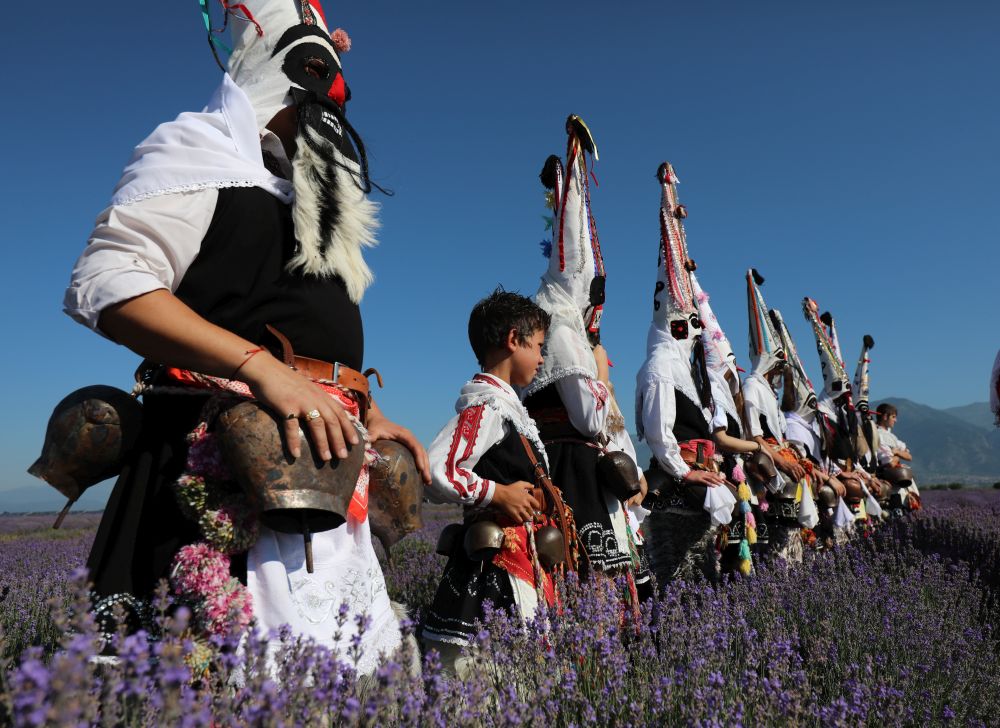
x=294 y=61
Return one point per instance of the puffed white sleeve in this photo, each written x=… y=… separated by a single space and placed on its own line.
x=455 y=452
x=658 y=410
x=753 y=413
x=138 y=248
x=586 y=402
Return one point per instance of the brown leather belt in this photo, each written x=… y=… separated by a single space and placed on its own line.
x=336 y=372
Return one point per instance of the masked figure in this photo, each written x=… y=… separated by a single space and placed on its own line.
x=569 y=397
x=674 y=409
x=848 y=447
x=790 y=494
x=231 y=258
x=742 y=457
x=805 y=432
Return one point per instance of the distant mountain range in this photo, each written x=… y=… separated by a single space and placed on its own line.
x=953 y=445
x=958 y=444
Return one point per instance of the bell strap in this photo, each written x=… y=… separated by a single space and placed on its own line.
x=555 y=501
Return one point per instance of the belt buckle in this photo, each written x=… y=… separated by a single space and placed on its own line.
x=335 y=374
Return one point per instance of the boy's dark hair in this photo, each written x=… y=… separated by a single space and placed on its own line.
x=884 y=411
x=494 y=316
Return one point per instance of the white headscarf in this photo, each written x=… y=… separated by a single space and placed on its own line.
x=215 y=148
x=500 y=397
x=668 y=361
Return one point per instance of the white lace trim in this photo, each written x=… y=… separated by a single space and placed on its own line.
x=193 y=187
x=539 y=383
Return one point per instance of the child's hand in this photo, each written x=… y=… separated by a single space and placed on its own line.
x=515 y=500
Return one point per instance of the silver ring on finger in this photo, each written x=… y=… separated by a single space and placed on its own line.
x=313 y=415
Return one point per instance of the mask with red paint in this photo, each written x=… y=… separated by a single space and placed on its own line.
x=284 y=55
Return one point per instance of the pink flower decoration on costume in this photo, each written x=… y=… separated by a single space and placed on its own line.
x=341 y=40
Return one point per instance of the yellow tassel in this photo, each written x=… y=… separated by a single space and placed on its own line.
x=751 y=535
x=746 y=567
x=743 y=492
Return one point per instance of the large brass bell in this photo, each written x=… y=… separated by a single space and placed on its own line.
x=483 y=540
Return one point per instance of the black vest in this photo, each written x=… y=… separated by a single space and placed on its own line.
x=507 y=462
x=238 y=281
x=689 y=424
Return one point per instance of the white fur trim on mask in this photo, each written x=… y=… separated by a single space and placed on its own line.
x=357 y=221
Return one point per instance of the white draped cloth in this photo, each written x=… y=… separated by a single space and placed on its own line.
x=346 y=572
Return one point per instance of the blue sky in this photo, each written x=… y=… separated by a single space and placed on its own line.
x=847 y=151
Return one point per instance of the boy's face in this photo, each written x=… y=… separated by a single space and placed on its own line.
x=525 y=359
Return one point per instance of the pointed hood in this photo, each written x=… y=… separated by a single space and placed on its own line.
x=766 y=351
x=572 y=288
x=674 y=333
x=575 y=261
x=804 y=393
x=674 y=306
x=861 y=375
x=719 y=356
x=835 y=380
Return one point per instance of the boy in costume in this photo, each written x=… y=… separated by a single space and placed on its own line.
x=490 y=459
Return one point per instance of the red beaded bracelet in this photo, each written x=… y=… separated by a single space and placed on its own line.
x=249 y=354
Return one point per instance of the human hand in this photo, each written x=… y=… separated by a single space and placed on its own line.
x=637 y=499
x=381 y=427
x=293 y=397
x=839 y=488
x=516 y=501
x=704 y=477
x=793 y=470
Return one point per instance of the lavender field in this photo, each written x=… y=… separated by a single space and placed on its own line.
x=895 y=628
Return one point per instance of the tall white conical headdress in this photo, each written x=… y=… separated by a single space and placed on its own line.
x=575 y=261
x=804 y=393
x=766 y=351
x=719 y=356
x=572 y=288
x=861 y=386
x=674 y=306
x=835 y=380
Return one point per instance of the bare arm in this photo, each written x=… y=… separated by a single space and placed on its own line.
x=381 y=427
x=728 y=443
x=159 y=326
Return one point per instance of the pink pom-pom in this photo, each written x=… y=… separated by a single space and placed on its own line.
x=738 y=475
x=702 y=297
x=751 y=521
x=717 y=335
x=341 y=40
x=764 y=505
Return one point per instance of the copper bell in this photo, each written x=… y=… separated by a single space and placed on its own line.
x=550 y=546
x=483 y=540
